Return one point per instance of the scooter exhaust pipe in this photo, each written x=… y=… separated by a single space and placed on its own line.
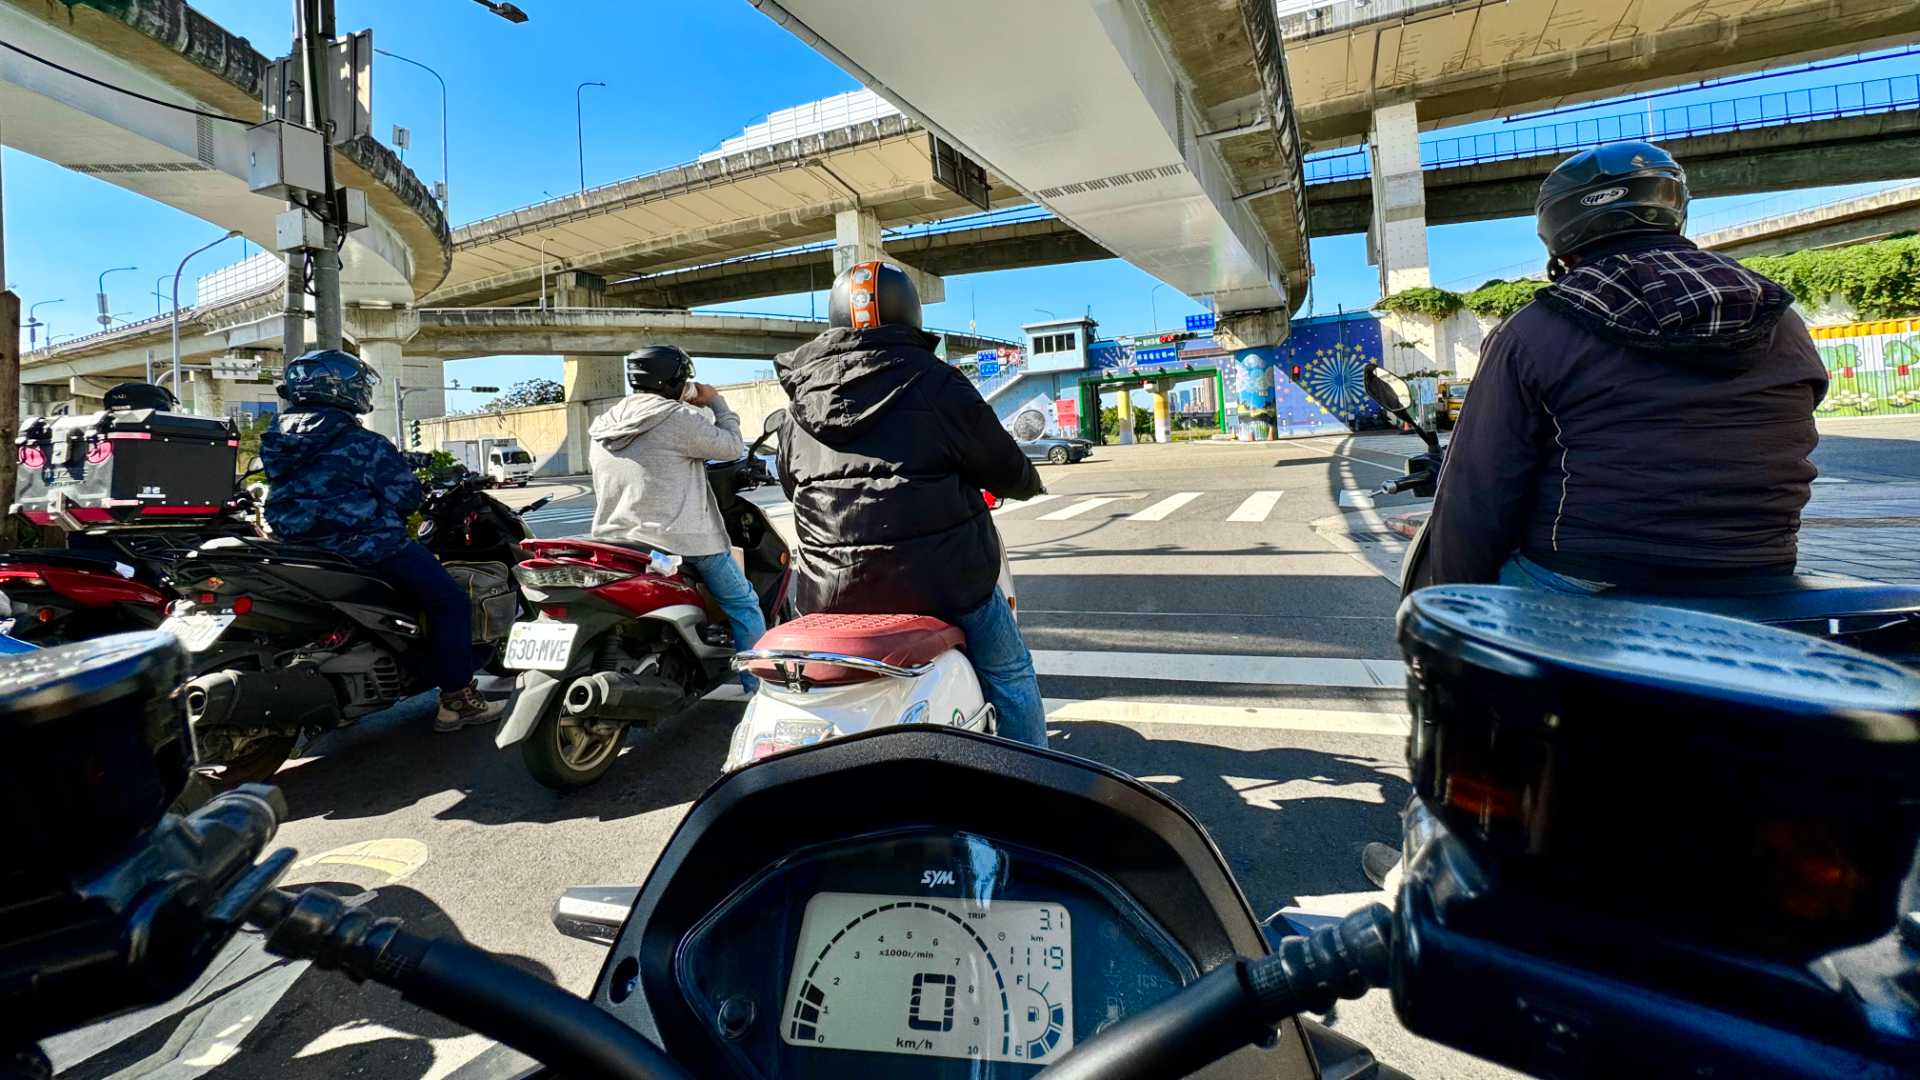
x=611 y=695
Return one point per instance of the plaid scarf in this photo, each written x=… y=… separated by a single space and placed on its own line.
x=1693 y=306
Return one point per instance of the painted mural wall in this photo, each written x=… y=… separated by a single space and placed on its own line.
x=1873 y=367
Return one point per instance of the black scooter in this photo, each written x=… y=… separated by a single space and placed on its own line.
x=290 y=640
x=1878 y=618
x=905 y=902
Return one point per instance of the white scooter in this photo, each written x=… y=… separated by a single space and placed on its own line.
x=825 y=675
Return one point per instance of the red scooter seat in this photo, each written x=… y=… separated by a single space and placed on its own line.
x=900 y=640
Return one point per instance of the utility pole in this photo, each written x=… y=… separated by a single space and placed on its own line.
x=9 y=363
x=315 y=270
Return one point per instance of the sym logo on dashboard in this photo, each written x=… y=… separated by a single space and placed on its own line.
x=931 y=878
x=1602 y=198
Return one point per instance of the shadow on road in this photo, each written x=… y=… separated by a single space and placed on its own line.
x=258 y=1015
x=393 y=761
x=1859 y=457
x=1290 y=821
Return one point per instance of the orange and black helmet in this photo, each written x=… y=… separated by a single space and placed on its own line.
x=871 y=294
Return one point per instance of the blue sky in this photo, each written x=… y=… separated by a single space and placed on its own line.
x=691 y=76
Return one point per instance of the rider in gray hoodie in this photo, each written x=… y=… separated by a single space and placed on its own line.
x=648 y=458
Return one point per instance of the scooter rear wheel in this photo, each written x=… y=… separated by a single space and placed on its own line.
x=564 y=754
x=258 y=762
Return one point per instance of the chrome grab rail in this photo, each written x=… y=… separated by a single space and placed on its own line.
x=781 y=657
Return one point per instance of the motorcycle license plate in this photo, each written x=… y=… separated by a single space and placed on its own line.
x=197 y=632
x=540 y=646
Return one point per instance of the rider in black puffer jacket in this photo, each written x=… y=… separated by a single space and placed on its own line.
x=885 y=456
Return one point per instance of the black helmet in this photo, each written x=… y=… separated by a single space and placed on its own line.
x=871 y=294
x=140 y=395
x=329 y=377
x=1613 y=190
x=659 y=369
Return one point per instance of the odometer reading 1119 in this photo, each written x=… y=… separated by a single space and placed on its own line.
x=934 y=976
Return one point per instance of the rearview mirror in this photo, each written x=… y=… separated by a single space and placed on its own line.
x=594 y=912
x=774 y=421
x=1390 y=391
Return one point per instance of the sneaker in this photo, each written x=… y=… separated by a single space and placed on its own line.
x=1378 y=861
x=464 y=708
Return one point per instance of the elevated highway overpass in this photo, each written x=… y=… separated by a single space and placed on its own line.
x=1845 y=150
x=1162 y=130
x=827 y=185
x=1467 y=60
x=190 y=153
x=1858 y=220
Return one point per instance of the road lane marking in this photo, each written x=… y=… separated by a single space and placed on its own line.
x=1010 y=507
x=1222 y=668
x=1148 y=713
x=1082 y=507
x=1158 y=511
x=1257 y=507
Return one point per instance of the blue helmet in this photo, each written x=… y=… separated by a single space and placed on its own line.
x=330 y=377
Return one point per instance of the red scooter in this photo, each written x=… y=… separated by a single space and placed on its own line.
x=622 y=639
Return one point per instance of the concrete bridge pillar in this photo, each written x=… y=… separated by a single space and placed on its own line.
x=382 y=334
x=1397 y=235
x=209 y=397
x=1254 y=337
x=857 y=239
x=1162 y=422
x=38 y=399
x=585 y=376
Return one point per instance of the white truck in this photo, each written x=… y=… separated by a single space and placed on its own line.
x=501 y=461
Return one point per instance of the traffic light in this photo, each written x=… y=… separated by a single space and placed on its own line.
x=484 y=389
x=416 y=434
x=1177 y=336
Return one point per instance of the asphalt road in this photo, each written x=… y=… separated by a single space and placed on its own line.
x=1192 y=628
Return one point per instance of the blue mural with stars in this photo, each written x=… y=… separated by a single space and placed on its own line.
x=1331 y=354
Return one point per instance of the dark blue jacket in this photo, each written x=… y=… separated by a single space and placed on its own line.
x=333 y=483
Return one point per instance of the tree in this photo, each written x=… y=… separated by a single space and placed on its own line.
x=1110 y=423
x=529 y=392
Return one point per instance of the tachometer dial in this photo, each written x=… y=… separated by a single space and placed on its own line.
x=941 y=977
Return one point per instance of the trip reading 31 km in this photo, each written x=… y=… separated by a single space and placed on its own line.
x=938 y=977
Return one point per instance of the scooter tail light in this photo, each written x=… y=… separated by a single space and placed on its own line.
x=568 y=576
x=207 y=598
x=554 y=611
x=242 y=605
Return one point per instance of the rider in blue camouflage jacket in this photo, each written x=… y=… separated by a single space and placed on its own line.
x=332 y=483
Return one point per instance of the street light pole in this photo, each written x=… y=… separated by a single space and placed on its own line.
x=105 y=318
x=446 y=205
x=543 y=271
x=159 y=298
x=580 y=130
x=33 y=322
x=1153 y=307
x=231 y=233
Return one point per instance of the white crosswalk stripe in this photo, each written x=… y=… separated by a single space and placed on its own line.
x=1257 y=506
x=1010 y=507
x=1159 y=511
x=1083 y=506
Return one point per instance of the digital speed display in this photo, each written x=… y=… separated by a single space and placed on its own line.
x=932 y=976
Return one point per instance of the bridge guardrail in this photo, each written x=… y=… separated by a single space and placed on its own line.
x=1862 y=98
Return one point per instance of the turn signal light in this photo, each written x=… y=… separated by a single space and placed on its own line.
x=242 y=605
x=45 y=614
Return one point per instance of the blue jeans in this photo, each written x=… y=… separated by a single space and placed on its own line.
x=1524 y=573
x=731 y=590
x=1005 y=667
x=418 y=576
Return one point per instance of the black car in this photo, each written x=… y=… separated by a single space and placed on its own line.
x=1056 y=451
